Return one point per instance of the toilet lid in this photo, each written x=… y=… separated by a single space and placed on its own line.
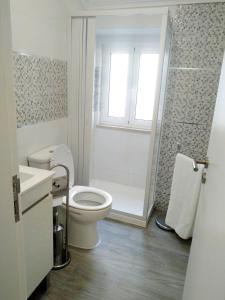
x=62 y=155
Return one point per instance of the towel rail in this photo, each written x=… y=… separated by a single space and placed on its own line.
x=201 y=162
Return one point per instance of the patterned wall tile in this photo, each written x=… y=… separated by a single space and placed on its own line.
x=172 y=135
x=213 y=52
x=195 y=141
x=190 y=19
x=198 y=43
x=188 y=51
x=201 y=101
x=40 y=89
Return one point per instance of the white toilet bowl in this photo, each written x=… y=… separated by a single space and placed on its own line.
x=87 y=205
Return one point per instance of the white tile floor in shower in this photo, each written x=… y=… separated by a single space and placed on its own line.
x=126 y=198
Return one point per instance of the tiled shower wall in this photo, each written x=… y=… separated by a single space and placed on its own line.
x=198 y=40
x=40 y=86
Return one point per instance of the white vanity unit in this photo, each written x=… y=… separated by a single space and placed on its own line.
x=36 y=204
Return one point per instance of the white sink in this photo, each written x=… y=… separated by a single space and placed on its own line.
x=34 y=185
x=25 y=176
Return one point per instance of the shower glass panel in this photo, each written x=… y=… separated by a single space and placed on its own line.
x=126 y=68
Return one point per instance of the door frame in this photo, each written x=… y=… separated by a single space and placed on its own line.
x=164 y=13
x=12 y=260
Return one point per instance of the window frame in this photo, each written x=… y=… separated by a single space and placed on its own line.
x=128 y=121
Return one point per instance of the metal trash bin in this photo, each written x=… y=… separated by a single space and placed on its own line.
x=58 y=241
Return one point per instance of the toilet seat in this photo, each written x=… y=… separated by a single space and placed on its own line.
x=88 y=198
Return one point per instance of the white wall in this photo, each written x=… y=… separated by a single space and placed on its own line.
x=33 y=137
x=120 y=156
x=39 y=27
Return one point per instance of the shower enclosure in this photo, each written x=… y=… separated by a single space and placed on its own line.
x=116 y=94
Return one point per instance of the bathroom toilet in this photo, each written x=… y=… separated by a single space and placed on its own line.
x=87 y=205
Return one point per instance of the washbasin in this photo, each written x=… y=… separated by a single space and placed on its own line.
x=34 y=185
x=24 y=177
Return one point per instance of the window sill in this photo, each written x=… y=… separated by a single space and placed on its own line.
x=118 y=127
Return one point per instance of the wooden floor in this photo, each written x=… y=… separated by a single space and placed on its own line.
x=130 y=264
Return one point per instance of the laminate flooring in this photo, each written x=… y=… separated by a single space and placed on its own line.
x=131 y=263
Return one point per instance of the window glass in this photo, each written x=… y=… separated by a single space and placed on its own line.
x=119 y=64
x=147 y=76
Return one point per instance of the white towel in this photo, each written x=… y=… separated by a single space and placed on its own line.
x=184 y=196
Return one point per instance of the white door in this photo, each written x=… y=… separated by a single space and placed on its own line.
x=205 y=279
x=12 y=279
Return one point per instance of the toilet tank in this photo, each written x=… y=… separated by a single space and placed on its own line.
x=42 y=158
x=51 y=155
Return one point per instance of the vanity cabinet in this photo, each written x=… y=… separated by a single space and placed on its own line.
x=38 y=241
x=36 y=205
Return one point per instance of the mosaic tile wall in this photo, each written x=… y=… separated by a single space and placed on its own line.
x=40 y=87
x=198 y=42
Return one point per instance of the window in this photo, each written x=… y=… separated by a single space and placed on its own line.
x=118 y=84
x=128 y=87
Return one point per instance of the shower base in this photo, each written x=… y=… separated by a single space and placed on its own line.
x=126 y=198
